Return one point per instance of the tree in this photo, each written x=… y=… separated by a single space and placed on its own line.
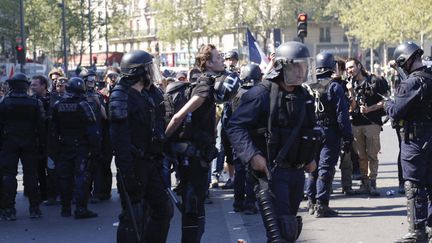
x=180 y=20
x=9 y=23
x=373 y=22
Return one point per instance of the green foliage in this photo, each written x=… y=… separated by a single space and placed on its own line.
x=377 y=22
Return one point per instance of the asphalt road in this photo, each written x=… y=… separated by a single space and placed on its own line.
x=362 y=219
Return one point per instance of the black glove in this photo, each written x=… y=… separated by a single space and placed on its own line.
x=346 y=146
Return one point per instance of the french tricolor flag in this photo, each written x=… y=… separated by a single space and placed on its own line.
x=256 y=54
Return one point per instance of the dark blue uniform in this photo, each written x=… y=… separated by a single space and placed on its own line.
x=136 y=126
x=77 y=137
x=413 y=106
x=246 y=136
x=243 y=184
x=22 y=127
x=332 y=116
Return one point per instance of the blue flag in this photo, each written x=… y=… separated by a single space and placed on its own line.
x=256 y=54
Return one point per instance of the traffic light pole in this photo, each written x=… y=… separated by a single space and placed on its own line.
x=23 y=39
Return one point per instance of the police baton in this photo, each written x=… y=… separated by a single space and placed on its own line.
x=128 y=204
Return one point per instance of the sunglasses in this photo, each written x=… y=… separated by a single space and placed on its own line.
x=91 y=78
x=113 y=76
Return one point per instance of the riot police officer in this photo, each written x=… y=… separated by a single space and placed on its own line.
x=332 y=116
x=412 y=106
x=74 y=127
x=251 y=75
x=22 y=120
x=200 y=111
x=137 y=135
x=46 y=170
x=272 y=130
x=95 y=99
x=231 y=60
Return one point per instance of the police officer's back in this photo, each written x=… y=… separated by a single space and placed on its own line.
x=77 y=138
x=22 y=130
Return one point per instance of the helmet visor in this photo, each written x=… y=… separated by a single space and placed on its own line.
x=298 y=71
x=153 y=73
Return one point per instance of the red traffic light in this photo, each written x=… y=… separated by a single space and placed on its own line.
x=302 y=17
x=19 y=48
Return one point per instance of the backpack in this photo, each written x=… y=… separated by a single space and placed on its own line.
x=177 y=94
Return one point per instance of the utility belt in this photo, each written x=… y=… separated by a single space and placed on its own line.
x=187 y=150
x=413 y=130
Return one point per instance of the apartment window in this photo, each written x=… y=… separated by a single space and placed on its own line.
x=325 y=34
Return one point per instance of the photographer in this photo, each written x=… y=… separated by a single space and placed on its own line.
x=366 y=109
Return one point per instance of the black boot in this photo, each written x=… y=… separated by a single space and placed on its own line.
x=416 y=231
x=322 y=210
x=311 y=207
x=373 y=191
x=35 y=212
x=364 y=187
x=348 y=191
x=84 y=213
x=66 y=211
x=9 y=214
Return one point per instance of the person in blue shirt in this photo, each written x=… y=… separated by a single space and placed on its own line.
x=267 y=131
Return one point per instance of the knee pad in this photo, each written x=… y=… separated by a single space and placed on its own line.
x=288 y=225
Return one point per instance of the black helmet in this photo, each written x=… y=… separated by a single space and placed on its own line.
x=85 y=73
x=137 y=64
x=291 y=50
x=294 y=55
x=405 y=51
x=232 y=54
x=226 y=86
x=18 y=81
x=76 y=86
x=325 y=60
x=251 y=74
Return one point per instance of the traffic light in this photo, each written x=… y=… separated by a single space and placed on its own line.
x=302 y=25
x=20 y=54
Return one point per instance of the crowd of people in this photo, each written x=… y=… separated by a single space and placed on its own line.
x=302 y=114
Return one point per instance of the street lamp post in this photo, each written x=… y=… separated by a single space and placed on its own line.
x=65 y=56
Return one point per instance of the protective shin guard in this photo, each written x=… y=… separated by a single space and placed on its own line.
x=267 y=212
x=416 y=213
